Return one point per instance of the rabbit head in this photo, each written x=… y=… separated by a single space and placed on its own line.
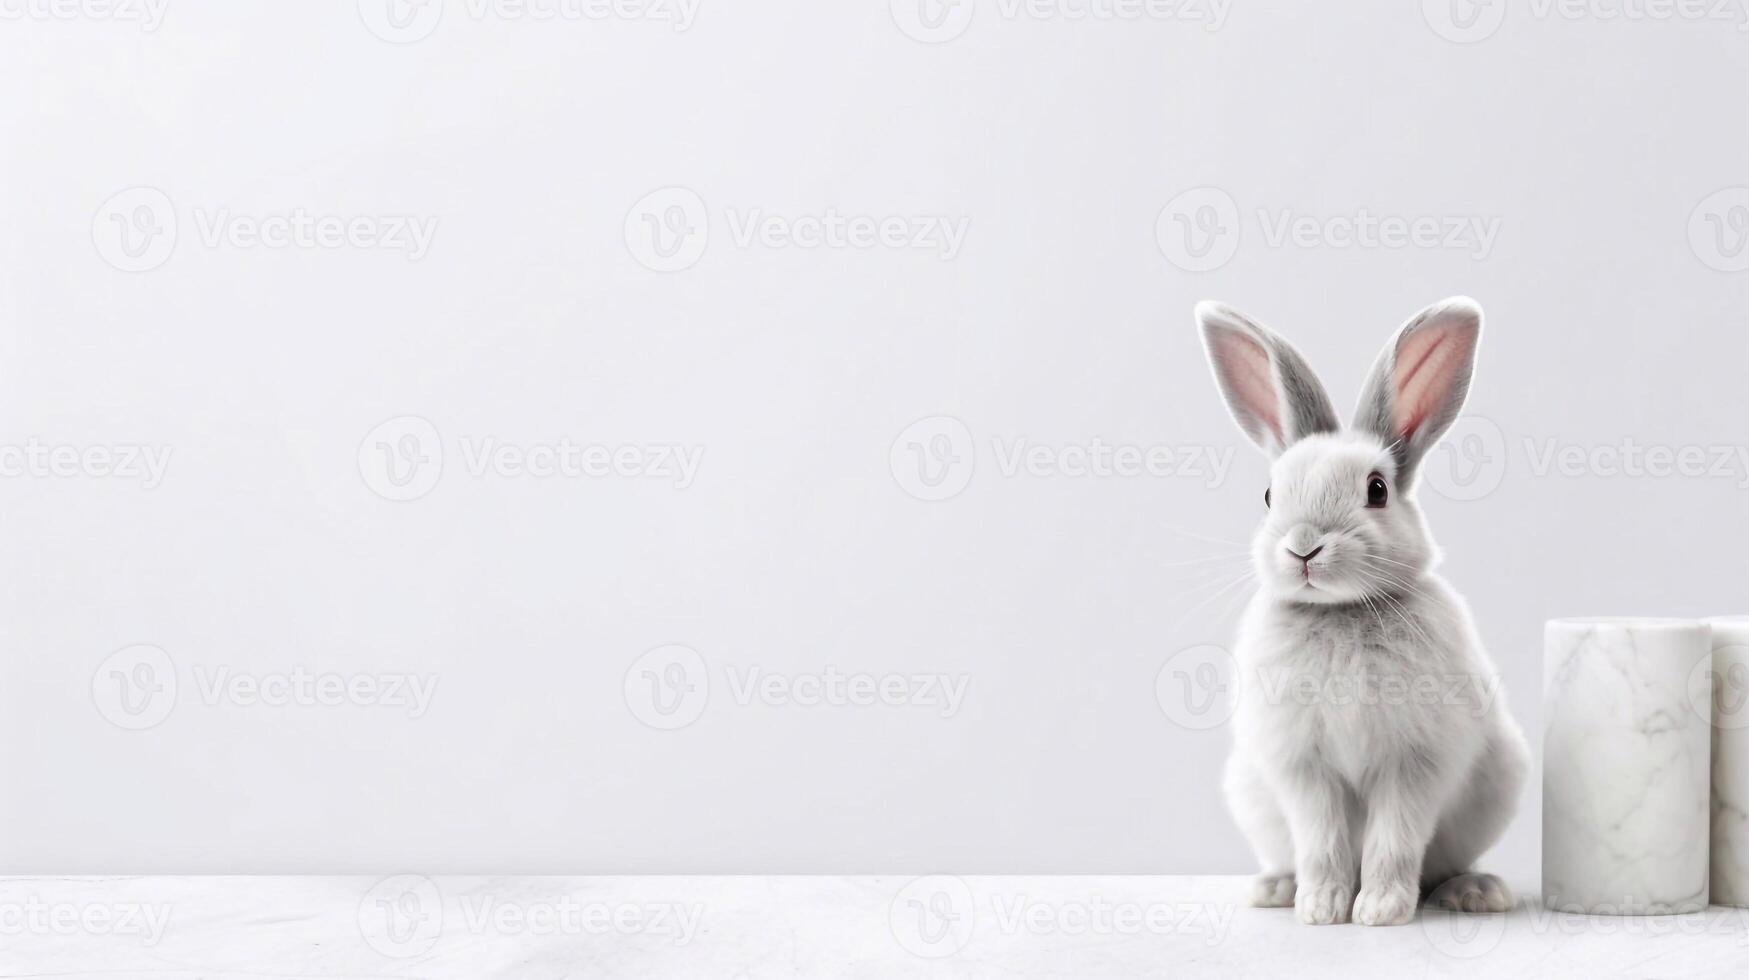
x=1341 y=523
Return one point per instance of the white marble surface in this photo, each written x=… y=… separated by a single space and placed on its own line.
x=1626 y=765
x=1730 y=697
x=814 y=927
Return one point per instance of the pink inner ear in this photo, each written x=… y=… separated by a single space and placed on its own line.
x=1429 y=362
x=1250 y=380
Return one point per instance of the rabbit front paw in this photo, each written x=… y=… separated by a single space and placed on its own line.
x=1323 y=903
x=1386 y=905
x=1272 y=891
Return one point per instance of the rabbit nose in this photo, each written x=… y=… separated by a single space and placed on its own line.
x=1308 y=556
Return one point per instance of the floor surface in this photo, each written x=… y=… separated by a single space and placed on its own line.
x=810 y=927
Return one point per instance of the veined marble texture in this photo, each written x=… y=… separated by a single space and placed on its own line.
x=1730 y=697
x=1626 y=766
x=821 y=927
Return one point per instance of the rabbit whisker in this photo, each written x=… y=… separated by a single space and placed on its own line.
x=1203 y=537
x=1408 y=623
x=1205 y=561
x=1245 y=578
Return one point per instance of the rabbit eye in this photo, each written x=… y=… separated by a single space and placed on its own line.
x=1266 y=496
x=1376 y=491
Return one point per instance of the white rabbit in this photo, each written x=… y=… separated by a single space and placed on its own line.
x=1373 y=761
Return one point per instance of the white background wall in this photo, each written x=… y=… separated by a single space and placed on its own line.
x=1591 y=146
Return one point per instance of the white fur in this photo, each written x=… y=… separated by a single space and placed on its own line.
x=1374 y=759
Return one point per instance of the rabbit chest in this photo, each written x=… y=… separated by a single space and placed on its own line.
x=1342 y=687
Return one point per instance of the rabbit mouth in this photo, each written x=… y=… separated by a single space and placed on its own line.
x=1313 y=577
x=1321 y=584
x=1306 y=581
x=1309 y=594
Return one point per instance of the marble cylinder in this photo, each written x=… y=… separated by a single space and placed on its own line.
x=1626 y=766
x=1730 y=705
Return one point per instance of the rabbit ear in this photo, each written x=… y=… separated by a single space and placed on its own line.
x=1418 y=385
x=1272 y=393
